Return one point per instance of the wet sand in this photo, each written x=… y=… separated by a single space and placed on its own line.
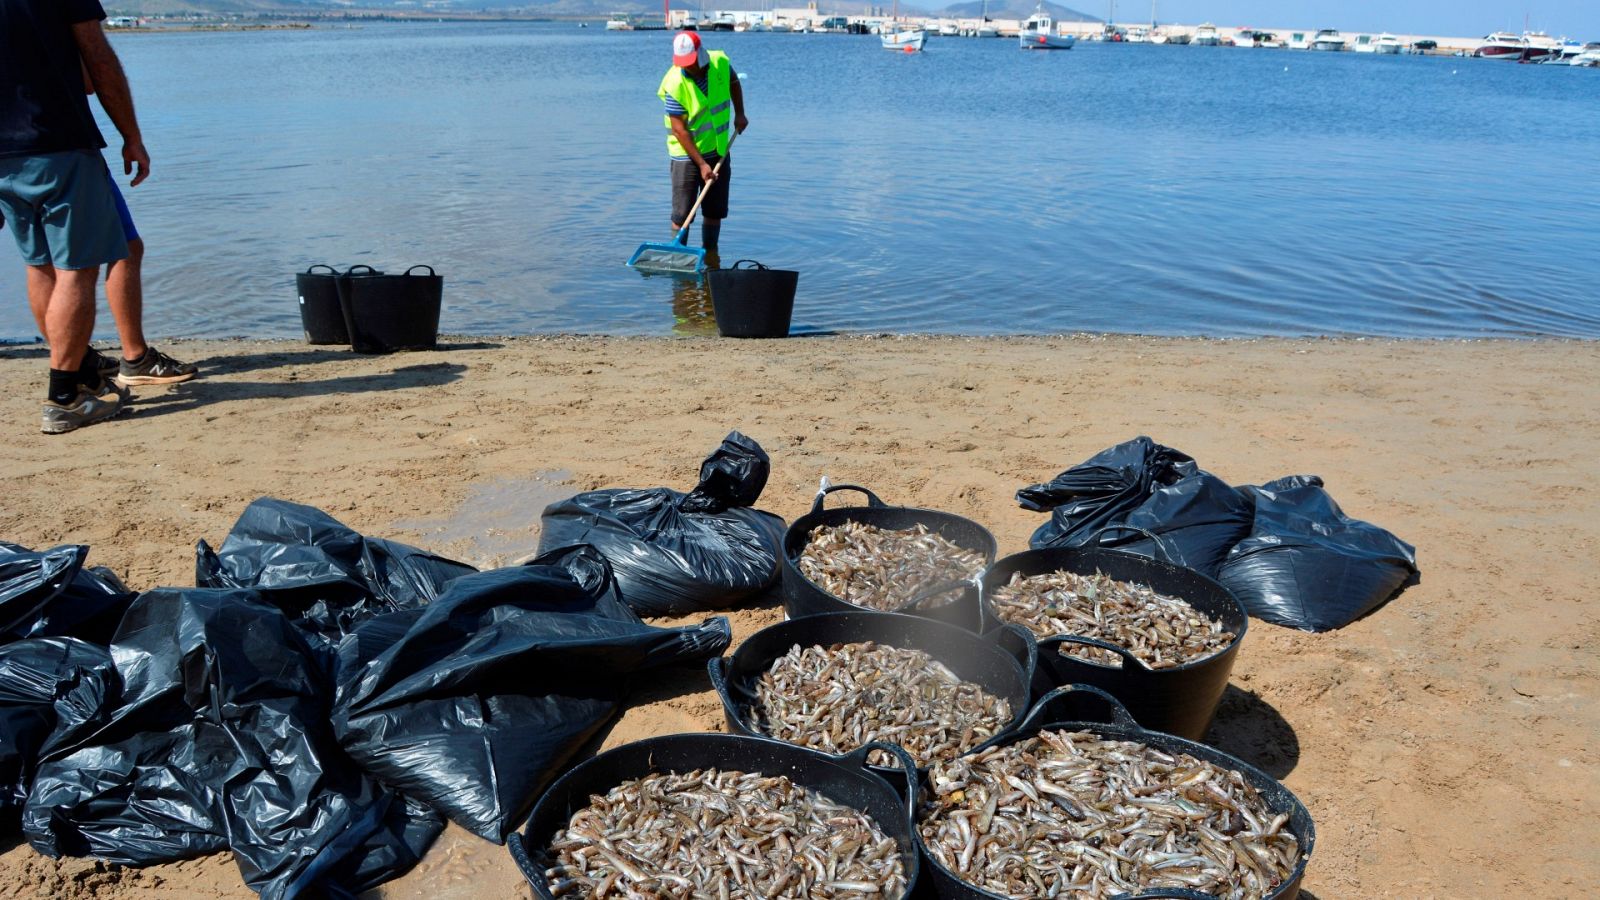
x=1443 y=743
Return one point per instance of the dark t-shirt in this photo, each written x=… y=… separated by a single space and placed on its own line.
x=43 y=108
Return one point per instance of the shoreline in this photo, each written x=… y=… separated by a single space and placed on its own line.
x=1393 y=730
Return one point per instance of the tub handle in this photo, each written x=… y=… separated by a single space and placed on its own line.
x=312 y=270
x=1167 y=554
x=1020 y=643
x=752 y=262
x=926 y=594
x=1166 y=893
x=519 y=855
x=1049 y=703
x=431 y=273
x=369 y=271
x=1056 y=641
x=858 y=758
x=826 y=489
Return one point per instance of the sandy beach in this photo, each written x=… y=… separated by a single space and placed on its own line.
x=1443 y=744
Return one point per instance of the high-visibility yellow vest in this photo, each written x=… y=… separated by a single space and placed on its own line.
x=709 y=115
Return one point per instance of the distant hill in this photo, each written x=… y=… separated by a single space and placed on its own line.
x=1013 y=9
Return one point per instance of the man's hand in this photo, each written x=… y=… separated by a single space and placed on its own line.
x=740 y=123
x=134 y=154
x=708 y=174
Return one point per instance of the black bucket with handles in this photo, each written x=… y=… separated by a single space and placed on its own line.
x=1065 y=709
x=755 y=302
x=386 y=313
x=1179 y=700
x=955 y=602
x=321 y=316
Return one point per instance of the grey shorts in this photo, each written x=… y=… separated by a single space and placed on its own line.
x=61 y=209
x=686 y=185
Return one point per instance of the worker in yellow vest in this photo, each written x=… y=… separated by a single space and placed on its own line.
x=704 y=108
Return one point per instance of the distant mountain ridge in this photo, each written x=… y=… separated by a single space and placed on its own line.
x=998 y=9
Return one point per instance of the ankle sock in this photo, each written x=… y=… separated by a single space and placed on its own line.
x=138 y=359
x=63 y=386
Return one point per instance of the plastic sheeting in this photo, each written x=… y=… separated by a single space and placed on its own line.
x=43 y=682
x=473 y=702
x=51 y=594
x=676 y=553
x=1145 y=498
x=325 y=576
x=220 y=739
x=1307 y=565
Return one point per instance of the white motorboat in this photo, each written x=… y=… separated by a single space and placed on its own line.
x=1138 y=34
x=1365 y=43
x=948 y=28
x=906 y=41
x=1387 y=44
x=779 y=26
x=1502 y=45
x=1206 y=36
x=689 y=23
x=1541 y=46
x=619 y=22
x=1589 y=58
x=988 y=30
x=1244 y=37
x=759 y=26
x=1330 y=40
x=1038 y=33
x=1299 y=40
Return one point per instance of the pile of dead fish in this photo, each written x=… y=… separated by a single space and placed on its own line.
x=883 y=569
x=711 y=833
x=1161 y=631
x=836 y=699
x=1073 y=814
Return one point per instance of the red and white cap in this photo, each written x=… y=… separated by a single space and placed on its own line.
x=686 y=50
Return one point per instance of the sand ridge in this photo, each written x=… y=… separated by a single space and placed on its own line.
x=1440 y=743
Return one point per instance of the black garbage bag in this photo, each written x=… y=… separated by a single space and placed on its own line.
x=221 y=739
x=51 y=594
x=43 y=682
x=1145 y=498
x=325 y=576
x=1307 y=565
x=472 y=703
x=676 y=553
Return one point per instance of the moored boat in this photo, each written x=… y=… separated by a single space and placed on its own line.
x=1329 y=40
x=1387 y=44
x=1541 y=46
x=1206 y=36
x=1244 y=37
x=1502 y=45
x=1138 y=34
x=1299 y=40
x=1038 y=33
x=619 y=22
x=905 y=40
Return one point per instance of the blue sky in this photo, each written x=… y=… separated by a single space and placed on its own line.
x=1578 y=18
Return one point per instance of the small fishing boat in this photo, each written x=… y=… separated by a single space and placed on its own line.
x=619 y=22
x=907 y=41
x=1206 y=36
x=1329 y=40
x=1502 y=45
x=1387 y=45
x=1038 y=33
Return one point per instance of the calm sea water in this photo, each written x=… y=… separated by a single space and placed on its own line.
x=973 y=188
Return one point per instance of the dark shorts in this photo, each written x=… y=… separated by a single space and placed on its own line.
x=686 y=186
x=59 y=207
x=128 y=231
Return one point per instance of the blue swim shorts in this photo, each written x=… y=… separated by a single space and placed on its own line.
x=128 y=231
x=61 y=209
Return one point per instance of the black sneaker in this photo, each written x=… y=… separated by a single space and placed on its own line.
x=90 y=406
x=106 y=366
x=155 y=368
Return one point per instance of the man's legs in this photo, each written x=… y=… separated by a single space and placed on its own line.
x=69 y=316
x=710 y=230
x=125 y=294
x=41 y=281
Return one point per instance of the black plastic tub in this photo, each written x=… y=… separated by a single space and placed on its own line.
x=842 y=779
x=321 y=316
x=1181 y=700
x=755 y=302
x=386 y=313
x=1001 y=661
x=801 y=597
x=1061 y=710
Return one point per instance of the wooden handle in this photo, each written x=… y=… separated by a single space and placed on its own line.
x=706 y=189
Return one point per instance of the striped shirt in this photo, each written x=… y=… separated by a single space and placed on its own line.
x=703 y=82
